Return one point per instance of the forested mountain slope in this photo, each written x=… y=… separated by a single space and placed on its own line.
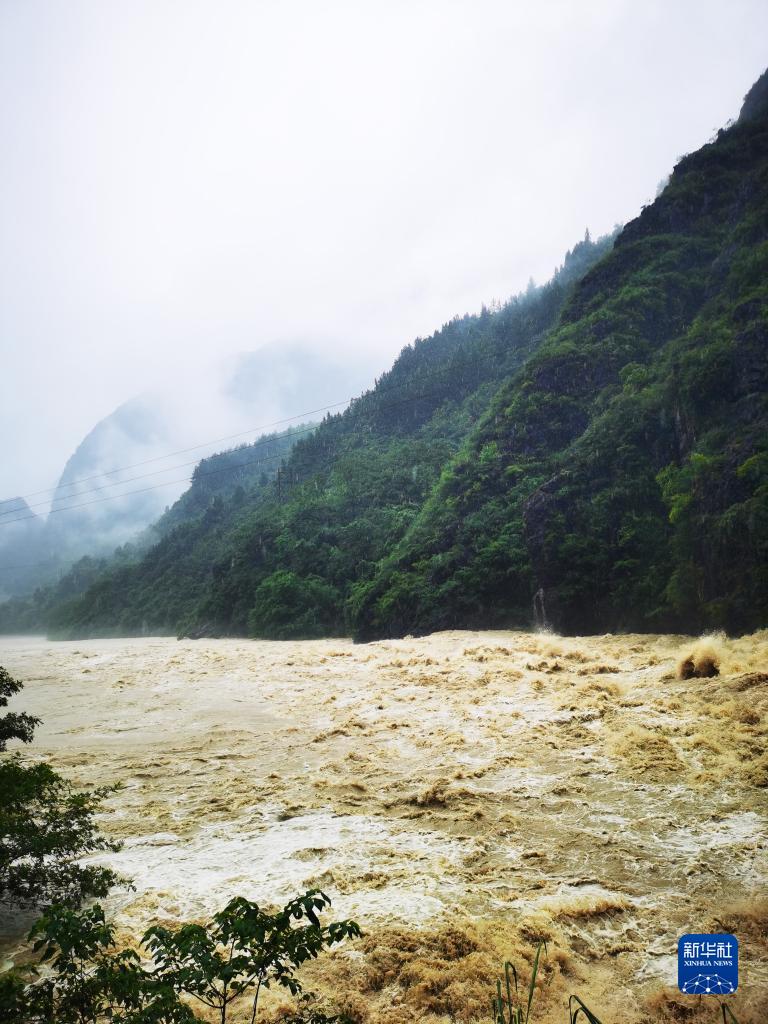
x=593 y=455
x=236 y=476
x=221 y=485
x=228 y=395
x=283 y=561
x=619 y=480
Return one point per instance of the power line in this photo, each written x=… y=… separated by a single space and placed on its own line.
x=180 y=451
x=228 y=437
x=143 y=476
x=169 y=469
x=223 y=469
x=168 y=483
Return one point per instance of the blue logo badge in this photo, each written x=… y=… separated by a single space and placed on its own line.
x=708 y=964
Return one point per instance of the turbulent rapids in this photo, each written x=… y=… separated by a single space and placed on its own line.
x=462 y=795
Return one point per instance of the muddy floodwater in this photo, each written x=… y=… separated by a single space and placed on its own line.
x=461 y=795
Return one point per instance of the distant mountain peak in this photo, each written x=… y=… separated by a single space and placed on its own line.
x=14 y=506
x=755 y=106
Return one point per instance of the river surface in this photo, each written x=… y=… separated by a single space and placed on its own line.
x=461 y=795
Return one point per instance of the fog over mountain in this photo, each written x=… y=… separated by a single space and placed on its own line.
x=180 y=181
x=590 y=456
x=137 y=460
x=396 y=371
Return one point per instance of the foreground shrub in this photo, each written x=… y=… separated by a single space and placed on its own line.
x=45 y=825
x=241 y=951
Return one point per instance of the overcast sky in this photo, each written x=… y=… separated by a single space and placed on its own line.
x=180 y=179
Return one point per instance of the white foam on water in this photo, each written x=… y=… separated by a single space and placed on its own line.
x=272 y=863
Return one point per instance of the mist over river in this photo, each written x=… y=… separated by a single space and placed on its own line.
x=461 y=795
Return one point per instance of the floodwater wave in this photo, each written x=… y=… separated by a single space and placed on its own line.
x=462 y=795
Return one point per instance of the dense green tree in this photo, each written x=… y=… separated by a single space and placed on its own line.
x=14 y=725
x=242 y=951
x=45 y=825
x=288 y=606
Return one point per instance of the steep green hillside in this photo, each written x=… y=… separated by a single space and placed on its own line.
x=619 y=480
x=283 y=561
x=221 y=485
x=593 y=455
x=235 y=476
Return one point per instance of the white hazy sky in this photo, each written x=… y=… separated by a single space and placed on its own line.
x=180 y=179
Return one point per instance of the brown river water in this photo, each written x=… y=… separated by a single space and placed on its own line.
x=461 y=795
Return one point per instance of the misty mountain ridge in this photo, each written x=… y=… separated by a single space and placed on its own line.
x=591 y=456
x=98 y=506
x=398 y=434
